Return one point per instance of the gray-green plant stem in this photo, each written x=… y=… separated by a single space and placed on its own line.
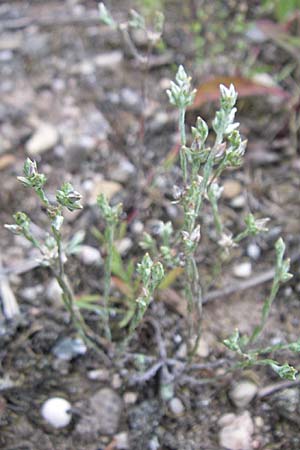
x=183 y=161
x=266 y=310
x=215 y=210
x=110 y=230
x=60 y=276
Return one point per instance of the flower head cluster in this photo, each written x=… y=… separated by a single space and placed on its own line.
x=180 y=93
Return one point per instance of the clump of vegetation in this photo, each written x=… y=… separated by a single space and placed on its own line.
x=201 y=167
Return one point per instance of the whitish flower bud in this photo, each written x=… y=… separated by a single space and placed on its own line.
x=256 y=226
x=136 y=20
x=200 y=131
x=180 y=94
x=228 y=96
x=68 y=197
x=105 y=16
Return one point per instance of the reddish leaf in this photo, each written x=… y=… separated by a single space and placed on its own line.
x=209 y=91
x=171 y=298
x=123 y=287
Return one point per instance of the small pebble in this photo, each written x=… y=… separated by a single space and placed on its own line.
x=54 y=293
x=176 y=406
x=44 y=138
x=232 y=188
x=116 y=381
x=238 y=202
x=98 y=375
x=253 y=251
x=243 y=270
x=121 y=441
x=130 y=398
x=68 y=348
x=236 y=431
x=124 y=245
x=242 y=393
x=137 y=227
x=57 y=412
x=89 y=256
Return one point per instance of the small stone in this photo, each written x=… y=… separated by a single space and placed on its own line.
x=203 y=349
x=130 y=98
x=259 y=421
x=236 y=431
x=107 y=405
x=7 y=161
x=109 y=60
x=69 y=348
x=98 y=375
x=105 y=187
x=57 y=412
x=89 y=256
x=130 y=398
x=31 y=293
x=137 y=227
x=253 y=251
x=44 y=138
x=232 y=188
x=287 y=402
x=243 y=270
x=242 y=393
x=182 y=351
x=54 y=293
x=116 y=381
x=123 y=172
x=238 y=202
x=124 y=245
x=121 y=441
x=9 y=302
x=176 y=406
x=154 y=444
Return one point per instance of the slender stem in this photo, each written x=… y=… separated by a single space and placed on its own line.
x=183 y=161
x=107 y=278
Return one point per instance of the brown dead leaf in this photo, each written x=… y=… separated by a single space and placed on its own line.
x=172 y=299
x=123 y=287
x=6 y=161
x=106 y=187
x=209 y=91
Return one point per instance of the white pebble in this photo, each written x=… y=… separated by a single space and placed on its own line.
x=176 y=406
x=243 y=270
x=253 y=251
x=57 y=412
x=242 y=393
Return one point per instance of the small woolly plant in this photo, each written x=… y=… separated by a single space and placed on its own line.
x=201 y=168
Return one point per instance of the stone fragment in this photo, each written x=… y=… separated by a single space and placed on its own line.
x=54 y=293
x=68 y=348
x=44 y=138
x=242 y=393
x=109 y=60
x=232 y=188
x=98 y=375
x=176 y=406
x=253 y=251
x=243 y=270
x=107 y=405
x=101 y=416
x=100 y=186
x=121 y=441
x=123 y=171
x=89 y=256
x=124 y=245
x=236 y=431
x=130 y=398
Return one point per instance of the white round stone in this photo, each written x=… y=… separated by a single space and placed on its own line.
x=56 y=411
